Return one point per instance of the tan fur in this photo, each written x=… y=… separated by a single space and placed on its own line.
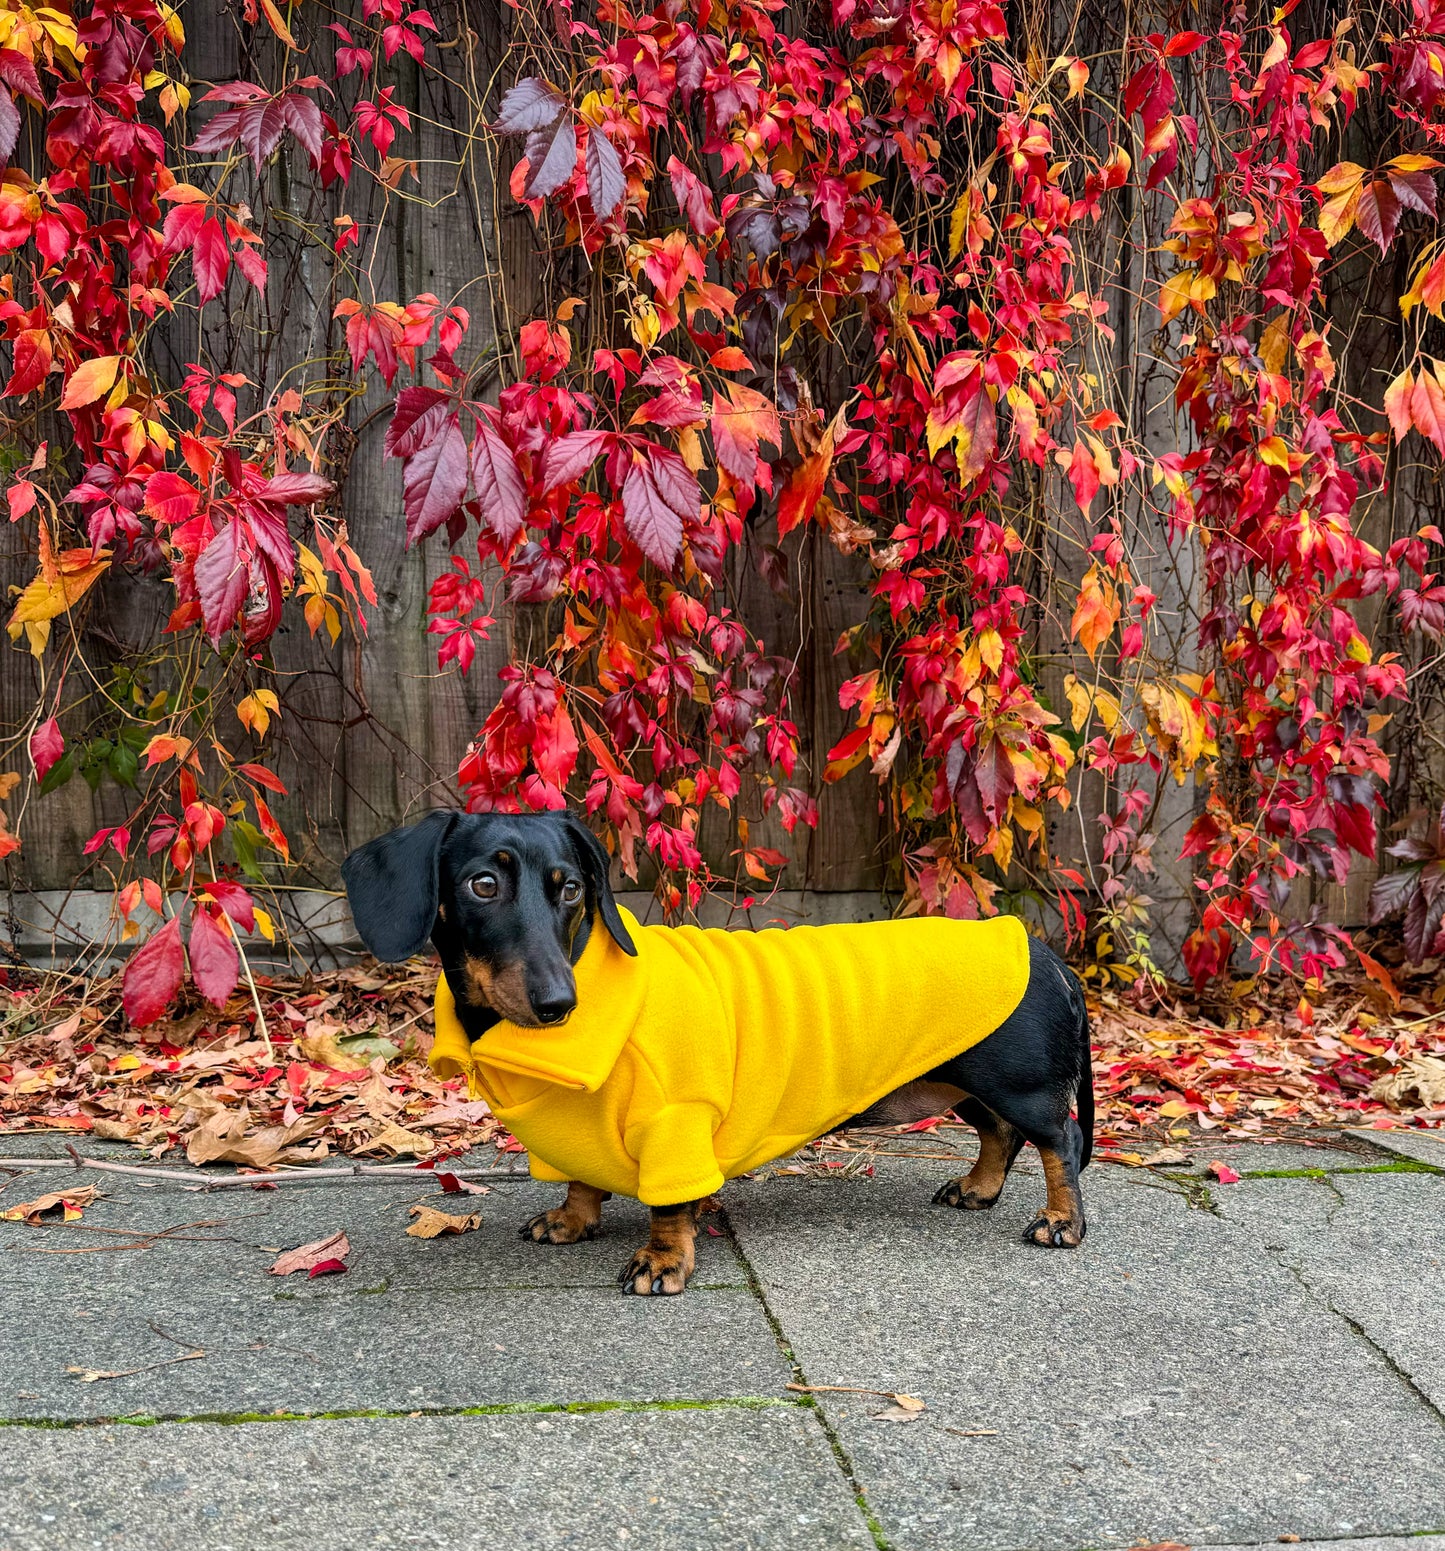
x=578 y=1217
x=503 y=990
x=667 y=1258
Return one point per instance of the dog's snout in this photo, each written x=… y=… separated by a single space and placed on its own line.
x=555 y=1008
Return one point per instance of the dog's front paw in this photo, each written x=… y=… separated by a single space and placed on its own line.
x=559 y=1226
x=1053 y=1232
x=965 y=1197
x=656 y=1271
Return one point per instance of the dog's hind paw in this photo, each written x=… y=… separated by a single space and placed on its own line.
x=655 y=1272
x=559 y=1226
x=1051 y=1233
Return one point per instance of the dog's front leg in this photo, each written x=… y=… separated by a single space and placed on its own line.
x=663 y=1266
x=578 y=1217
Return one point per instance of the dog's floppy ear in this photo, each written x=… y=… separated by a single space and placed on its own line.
x=599 y=868
x=391 y=885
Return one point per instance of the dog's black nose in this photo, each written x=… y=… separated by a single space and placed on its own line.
x=555 y=1010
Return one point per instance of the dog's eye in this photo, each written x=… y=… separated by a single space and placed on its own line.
x=571 y=892
x=484 y=886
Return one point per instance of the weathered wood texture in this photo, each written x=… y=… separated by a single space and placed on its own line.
x=370 y=733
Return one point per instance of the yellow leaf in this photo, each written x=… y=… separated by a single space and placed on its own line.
x=1342 y=177
x=1337 y=216
x=957 y=226
x=89 y=381
x=264 y=924
x=48 y=596
x=990 y=648
x=1413 y=162
x=1274 y=346
x=277 y=23
x=1078 y=77
x=1174 y=295
x=1272 y=450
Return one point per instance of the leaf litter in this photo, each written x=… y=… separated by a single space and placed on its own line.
x=345 y=1068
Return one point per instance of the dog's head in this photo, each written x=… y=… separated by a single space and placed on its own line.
x=508 y=899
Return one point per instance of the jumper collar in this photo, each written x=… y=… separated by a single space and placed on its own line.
x=580 y=1053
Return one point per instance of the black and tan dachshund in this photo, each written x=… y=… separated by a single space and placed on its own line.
x=511 y=901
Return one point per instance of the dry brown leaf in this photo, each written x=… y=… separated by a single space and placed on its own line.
x=905 y=1408
x=309 y=1256
x=430 y=1222
x=223 y=1138
x=60 y=1206
x=321 y=1047
x=394 y=1140
x=1419 y=1083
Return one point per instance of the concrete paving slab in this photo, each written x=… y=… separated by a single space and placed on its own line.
x=471 y=1319
x=251 y=1226
x=388 y=1351
x=1165 y=1382
x=1419 y=1146
x=675 y=1478
x=1372 y=1246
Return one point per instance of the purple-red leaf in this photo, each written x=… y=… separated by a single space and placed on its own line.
x=232 y=898
x=419 y=414
x=1379 y=213
x=551 y=159
x=529 y=105
x=435 y=481
x=215 y=964
x=694 y=196
x=298 y=489
x=211 y=258
x=570 y=456
x=498 y=481
x=153 y=975
x=223 y=578
x=9 y=126
x=657 y=493
x=606 y=184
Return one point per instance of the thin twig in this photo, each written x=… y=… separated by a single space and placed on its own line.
x=261 y=1025
x=353 y=1175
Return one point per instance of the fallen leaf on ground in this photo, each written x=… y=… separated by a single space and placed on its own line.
x=430 y=1222
x=223 y=1138
x=61 y=1206
x=94 y=1375
x=1420 y=1080
x=1166 y=1155
x=1224 y=1174
x=905 y=1408
x=394 y=1140
x=452 y=1185
x=323 y=1047
x=309 y=1256
x=327 y=1268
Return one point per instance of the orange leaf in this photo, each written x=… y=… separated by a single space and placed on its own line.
x=1397 y=403
x=89 y=380
x=1097 y=611
x=805 y=486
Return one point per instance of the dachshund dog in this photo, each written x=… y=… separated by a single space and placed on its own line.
x=559 y=1006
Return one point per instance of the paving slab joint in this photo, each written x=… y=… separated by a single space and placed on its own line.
x=1403 y=1374
x=507 y=1408
x=785 y=1346
x=1399 y=1166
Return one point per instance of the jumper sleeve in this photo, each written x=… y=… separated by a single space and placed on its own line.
x=674 y=1152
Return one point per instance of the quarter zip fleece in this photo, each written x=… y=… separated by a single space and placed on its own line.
x=713 y=1052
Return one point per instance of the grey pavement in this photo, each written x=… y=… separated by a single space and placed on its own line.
x=1219 y=1366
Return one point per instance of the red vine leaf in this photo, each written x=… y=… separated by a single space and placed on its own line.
x=223 y=578
x=215 y=963
x=606 y=184
x=435 y=481
x=551 y=159
x=416 y=419
x=657 y=494
x=46 y=747
x=498 y=483
x=570 y=456
x=153 y=975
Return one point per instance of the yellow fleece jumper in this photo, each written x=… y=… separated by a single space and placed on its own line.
x=712 y=1052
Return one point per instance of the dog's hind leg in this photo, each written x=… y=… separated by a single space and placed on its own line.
x=578 y=1217
x=1061 y=1224
x=998 y=1146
